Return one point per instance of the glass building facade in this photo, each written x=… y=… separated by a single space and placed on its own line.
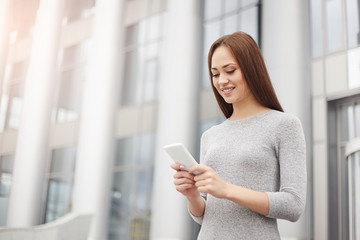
x=333 y=122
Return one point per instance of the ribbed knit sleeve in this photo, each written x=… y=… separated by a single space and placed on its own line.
x=289 y=202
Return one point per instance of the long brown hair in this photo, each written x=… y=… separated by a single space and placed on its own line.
x=249 y=58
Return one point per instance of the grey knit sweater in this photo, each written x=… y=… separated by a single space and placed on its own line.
x=265 y=152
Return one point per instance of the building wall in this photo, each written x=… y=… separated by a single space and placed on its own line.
x=334 y=73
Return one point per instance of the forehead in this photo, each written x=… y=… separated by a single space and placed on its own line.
x=222 y=56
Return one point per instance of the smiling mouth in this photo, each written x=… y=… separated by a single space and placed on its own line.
x=227 y=90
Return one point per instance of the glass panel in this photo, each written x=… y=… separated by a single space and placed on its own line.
x=70 y=94
x=121 y=205
x=150 y=85
x=141 y=196
x=147 y=153
x=63 y=160
x=353 y=68
x=247 y=2
x=249 y=22
x=5 y=184
x=154 y=28
x=230 y=24
x=58 y=199
x=354 y=214
x=316 y=28
x=357 y=120
x=131 y=91
x=212 y=9
x=15 y=113
x=231 y=5
x=125 y=151
x=346 y=122
x=334 y=25
x=352 y=14
x=211 y=33
x=6 y=169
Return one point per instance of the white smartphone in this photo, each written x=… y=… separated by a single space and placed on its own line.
x=180 y=154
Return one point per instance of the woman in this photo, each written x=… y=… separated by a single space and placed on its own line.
x=253 y=164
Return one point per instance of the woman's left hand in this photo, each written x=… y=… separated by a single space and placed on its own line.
x=209 y=182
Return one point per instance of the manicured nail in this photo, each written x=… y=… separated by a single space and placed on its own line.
x=182 y=166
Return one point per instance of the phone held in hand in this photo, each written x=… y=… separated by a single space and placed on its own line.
x=179 y=153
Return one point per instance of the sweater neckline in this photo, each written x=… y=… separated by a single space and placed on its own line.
x=253 y=117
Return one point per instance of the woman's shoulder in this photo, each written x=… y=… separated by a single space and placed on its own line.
x=283 y=118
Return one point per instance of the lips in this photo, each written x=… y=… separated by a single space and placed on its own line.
x=228 y=90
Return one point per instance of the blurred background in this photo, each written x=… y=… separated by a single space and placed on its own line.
x=90 y=91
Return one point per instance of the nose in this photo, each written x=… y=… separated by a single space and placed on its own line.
x=223 y=79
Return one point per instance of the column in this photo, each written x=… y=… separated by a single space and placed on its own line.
x=177 y=116
x=5 y=10
x=33 y=136
x=286 y=52
x=94 y=166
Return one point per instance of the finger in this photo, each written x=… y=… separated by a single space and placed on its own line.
x=199 y=168
x=180 y=181
x=177 y=166
x=184 y=187
x=183 y=174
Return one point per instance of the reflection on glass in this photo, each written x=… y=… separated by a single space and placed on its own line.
x=334 y=25
x=231 y=5
x=15 y=113
x=352 y=14
x=125 y=151
x=121 y=205
x=230 y=24
x=6 y=169
x=141 y=196
x=353 y=68
x=316 y=28
x=147 y=153
x=63 y=160
x=357 y=120
x=58 y=200
x=150 y=85
x=249 y=22
x=212 y=9
x=354 y=195
x=346 y=122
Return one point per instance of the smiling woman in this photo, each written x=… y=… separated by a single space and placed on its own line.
x=253 y=165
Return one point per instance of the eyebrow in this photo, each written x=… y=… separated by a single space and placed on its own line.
x=225 y=66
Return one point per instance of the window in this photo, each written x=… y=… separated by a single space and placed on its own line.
x=132 y=187
x=344 y=124
x=316 y=28
x=60 y=182
x=353 y=28
x=334 y=25
x=143 y=44
x=72 y=77
x=6 y=170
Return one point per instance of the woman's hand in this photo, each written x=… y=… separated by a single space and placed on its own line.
x=184 y=181
x=209 y=182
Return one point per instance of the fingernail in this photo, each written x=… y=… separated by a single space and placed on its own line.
x=182 y=166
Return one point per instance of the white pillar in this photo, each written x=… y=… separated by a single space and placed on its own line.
x=286 y=52
x=94 y=166
x=177 y=116
x=33 y=136
x=5 y=10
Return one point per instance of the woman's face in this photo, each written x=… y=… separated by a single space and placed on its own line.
x=227 y=76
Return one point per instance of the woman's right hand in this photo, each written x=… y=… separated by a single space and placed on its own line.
x=184 y=181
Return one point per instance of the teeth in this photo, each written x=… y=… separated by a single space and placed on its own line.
x=227 y=90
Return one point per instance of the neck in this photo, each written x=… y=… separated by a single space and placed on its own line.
x=247 y=108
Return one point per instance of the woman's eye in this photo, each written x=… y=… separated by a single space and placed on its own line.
x=230 y=72
x=215 y=75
